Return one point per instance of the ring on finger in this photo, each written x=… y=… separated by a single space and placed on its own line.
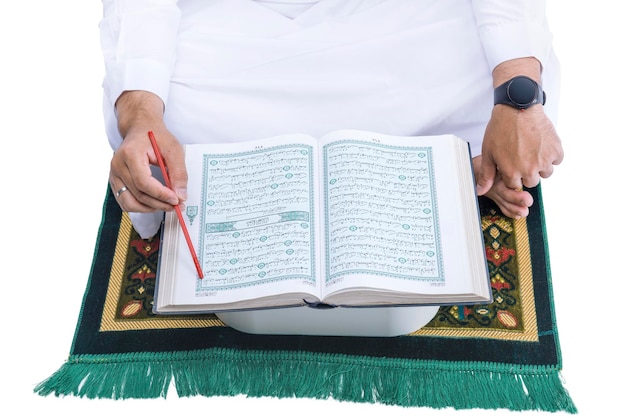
x=120 y=191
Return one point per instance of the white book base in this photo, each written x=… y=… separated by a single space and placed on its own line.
x=354 y=322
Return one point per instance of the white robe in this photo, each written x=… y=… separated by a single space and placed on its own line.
x=243 y=69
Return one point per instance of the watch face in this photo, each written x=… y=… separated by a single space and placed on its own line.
x=522 y=90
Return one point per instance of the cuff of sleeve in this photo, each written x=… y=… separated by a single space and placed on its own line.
x=516 y=40
x=140 y=74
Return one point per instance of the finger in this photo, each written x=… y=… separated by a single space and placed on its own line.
x=131 y=166
x=559 y=159
x=153 y=193
x=130 y=197
x=129 y=203
x=513 y=203
x=560 y=154
x=531 y=181
x=513 y=211
x=120 y=191
x=546 y=172
x=126 y=199
x=486 y=176
x=515 y=182
x=146 y=188
x=520 y=198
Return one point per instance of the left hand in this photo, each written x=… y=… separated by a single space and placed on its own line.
x=520 y=147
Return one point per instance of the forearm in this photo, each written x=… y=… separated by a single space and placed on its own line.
x=529 y=67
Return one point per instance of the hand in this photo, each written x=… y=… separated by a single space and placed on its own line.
x=139 y=112
x=513 y=203
x=520 y=147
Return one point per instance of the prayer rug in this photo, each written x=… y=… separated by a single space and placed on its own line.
x=502 y=355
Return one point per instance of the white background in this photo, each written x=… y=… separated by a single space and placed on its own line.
x=54 y=167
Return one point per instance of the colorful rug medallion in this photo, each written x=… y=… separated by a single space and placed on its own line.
x=502 y=355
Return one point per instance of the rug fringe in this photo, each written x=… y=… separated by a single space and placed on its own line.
x=109 y=378
x=223 y=372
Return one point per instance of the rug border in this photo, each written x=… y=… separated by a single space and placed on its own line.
x=89 y=340
x=529 y=316
x=111 y=323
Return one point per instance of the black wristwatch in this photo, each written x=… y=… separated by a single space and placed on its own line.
x=519 y=92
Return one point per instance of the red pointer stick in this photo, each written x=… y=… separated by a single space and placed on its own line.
x=177 y=207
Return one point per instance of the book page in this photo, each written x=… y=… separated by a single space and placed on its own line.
x=255 y=219
x=381 y=210
x=385 y=226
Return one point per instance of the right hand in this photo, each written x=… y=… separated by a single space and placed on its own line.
x=139 y=112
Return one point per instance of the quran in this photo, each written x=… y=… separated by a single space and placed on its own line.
x=352 y=219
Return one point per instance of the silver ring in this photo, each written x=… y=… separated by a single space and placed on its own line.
x=120 y=191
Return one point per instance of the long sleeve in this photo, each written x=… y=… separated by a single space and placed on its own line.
x=513 y=29
x=138 y=40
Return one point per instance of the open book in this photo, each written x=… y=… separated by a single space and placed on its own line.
x=351 y=219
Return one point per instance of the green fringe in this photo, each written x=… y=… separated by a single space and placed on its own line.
x=226 y=372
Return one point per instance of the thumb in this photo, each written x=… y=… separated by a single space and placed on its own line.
x=485 y=176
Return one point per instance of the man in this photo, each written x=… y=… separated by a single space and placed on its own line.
x=233 y=70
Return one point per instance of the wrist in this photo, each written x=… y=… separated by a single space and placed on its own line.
x=511 y=119
x=520 y=92
x=138 y=108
